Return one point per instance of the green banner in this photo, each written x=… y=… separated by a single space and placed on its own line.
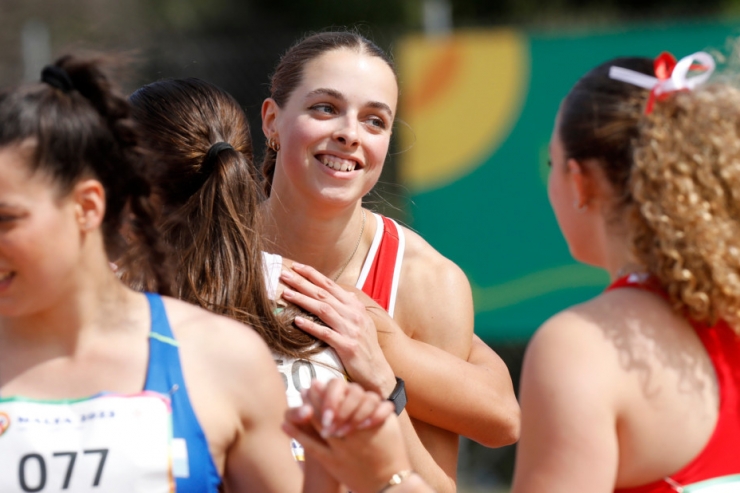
x=480 y=107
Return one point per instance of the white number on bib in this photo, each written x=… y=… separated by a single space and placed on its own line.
x=106 y=444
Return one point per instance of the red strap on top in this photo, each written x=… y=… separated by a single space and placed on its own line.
x=379 y=282
x=639 y=280
x=720 y=456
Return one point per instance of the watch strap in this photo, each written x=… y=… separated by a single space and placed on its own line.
x=398 y=396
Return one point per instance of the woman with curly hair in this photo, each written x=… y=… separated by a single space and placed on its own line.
x=637 y=389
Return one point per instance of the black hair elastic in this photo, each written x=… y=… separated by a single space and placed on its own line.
x=207 y=166
x=57 y=77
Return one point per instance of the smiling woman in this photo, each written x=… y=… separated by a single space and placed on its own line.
x=328 y=126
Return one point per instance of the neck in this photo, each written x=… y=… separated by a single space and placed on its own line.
x=618 y=257
x=322 y=238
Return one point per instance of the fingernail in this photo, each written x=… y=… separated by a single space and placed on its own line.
x=288 y=293
x=296 y=264
x=299 y=320
x=327 y=418
x=286 y=274
x=364 y=424
x=342 y=431
x=304 y=412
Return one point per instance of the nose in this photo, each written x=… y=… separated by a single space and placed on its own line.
x=347 y=132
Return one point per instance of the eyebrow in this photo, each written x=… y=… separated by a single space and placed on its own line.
x=338 y=95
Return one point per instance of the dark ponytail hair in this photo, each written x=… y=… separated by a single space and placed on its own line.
x=80 y=126
x=289 y=74
x=207 y=188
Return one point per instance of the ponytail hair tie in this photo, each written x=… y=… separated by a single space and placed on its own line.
x=57 y=77
x=206 y=166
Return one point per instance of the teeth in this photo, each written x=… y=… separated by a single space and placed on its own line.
x=337 y=163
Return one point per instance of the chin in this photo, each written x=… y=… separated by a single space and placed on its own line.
x=587 y=257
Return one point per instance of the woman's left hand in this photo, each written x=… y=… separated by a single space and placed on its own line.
x=350 y=330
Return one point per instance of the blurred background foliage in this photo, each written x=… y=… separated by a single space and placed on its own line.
x=236 y=44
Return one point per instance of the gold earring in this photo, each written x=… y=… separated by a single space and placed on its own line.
x=273 y=144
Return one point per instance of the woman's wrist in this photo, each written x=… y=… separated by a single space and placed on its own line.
x=385 y=384
x=405 y=481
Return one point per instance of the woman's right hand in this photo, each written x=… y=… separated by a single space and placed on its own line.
x=349 y=328
x=363 y=459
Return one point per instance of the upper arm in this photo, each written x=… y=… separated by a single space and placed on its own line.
x=473 y=393
x=260 y=457
x=567 y=394
x=435 y=304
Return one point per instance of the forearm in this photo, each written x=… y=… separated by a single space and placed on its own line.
x=317 y=479
x=472 y=398
x=422 y=461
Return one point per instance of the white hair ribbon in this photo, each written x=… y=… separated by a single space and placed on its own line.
x=671 y=75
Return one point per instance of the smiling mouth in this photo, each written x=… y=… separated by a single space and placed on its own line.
x=337 y=163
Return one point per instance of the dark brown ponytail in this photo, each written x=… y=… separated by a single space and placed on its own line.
x=209 y=197
x=81 y=125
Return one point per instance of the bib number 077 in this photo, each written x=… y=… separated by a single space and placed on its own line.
x=40 y=483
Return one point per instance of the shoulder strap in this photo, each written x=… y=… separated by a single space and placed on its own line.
x=164 y=372
x=382 y=275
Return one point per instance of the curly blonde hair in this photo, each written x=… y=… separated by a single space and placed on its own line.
x=685 y=191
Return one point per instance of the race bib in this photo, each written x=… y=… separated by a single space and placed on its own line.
x=105 y=444
x=725 y=484
x=297 y=376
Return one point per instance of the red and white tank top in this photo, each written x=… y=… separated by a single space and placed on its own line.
x=382 y=268
x=717 y=467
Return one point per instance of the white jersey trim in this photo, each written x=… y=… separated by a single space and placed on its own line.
x=273 y=266
x=397 y=268
x=372 y=252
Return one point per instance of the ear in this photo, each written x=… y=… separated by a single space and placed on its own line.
x=89 y=198
x=270 y=110
x=582 y=182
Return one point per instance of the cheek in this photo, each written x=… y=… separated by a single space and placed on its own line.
x=561 y=205
x=555 y=193
x=46 y=250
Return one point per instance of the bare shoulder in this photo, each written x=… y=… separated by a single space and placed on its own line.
x=421 y=262
x=435 y=302
x=222 y=347
x=605 y=336
x=570 y=342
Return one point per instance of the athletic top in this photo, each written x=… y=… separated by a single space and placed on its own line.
x=272 y=266
x=145 y=442
x=382 y=268
x=717 y=467
x=193 y=466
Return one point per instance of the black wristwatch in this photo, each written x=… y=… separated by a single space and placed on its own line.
x=398 y=396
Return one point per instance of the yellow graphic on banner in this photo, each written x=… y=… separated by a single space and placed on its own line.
x=460 y=96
